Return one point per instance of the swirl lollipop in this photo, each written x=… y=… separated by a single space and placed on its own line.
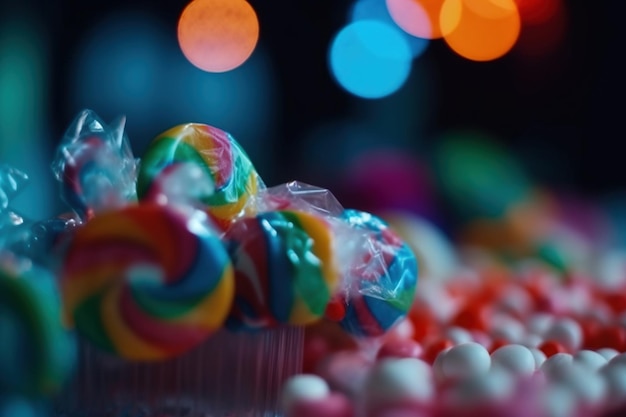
x=215 y=151
x=379 y=287
x=147 y=282
x=285 y=269
x=36 y=353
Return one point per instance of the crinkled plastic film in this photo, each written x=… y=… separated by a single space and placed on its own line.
x=95 y=165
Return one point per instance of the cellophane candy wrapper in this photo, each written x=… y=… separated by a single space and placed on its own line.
x=379 y=286
x=142 y=361
x=95 y=165
x=321 y=202
x=217 y=153
x=378 y=269
x=296 y=195
x=12 y=229
x=184 y=184
x=39 y=241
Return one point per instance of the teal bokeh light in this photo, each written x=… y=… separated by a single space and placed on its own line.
x=377 y=10
x=370 y=59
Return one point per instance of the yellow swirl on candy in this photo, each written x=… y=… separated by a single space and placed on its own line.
x=147 y=282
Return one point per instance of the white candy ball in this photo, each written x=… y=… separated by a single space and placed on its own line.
x=399 y=379
x=567 y=332
x=557 y=365
x=465 y=360
x=458 y=335
x=589 y=387
x=615 y=376
x=618 y=359
x=531 y=340
x=438 y=368
x=515 y=358
x=608 y=353
x=303 y=387
x=590 y=360
x=539 y=357
x=540 y=323
x=507 y=328
x=496 y=384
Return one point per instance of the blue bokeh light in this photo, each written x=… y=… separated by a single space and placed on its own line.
x=370 y=59
x=377 y=10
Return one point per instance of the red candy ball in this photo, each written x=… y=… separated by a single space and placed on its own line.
x=550 y=347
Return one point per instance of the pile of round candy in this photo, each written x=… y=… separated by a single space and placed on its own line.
x=524 y=316
x=161 y=253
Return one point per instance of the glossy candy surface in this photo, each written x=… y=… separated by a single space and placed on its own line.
x=147 y=282
x=285 y=269
x=216 y=152
x=379 y=286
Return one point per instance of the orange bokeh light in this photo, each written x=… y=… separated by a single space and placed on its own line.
x=419 y=18
x=218 y=35
x=480 y=30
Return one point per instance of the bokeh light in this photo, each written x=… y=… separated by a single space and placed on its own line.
x=538 y=11
x=418 y=17
x=477 y=176
x=544 y=25
x=128 y=65
x=480 y=30
x=370 y=59
x=218 y=35
x=377 y=10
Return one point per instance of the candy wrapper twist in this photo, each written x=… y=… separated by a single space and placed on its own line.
x=95 y=165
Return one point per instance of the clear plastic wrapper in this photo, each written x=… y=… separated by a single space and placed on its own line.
x=95 y=165
x=378 y=288
x=286 y=269
x=38 y=241
x=214 y=151
x=296 y=195
x=183 y=184
x=378 y=270
x=12 y=228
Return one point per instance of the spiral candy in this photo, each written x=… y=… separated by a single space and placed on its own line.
x=215 y=151
x=147 y=282
x=285 y=269
x=380 y=285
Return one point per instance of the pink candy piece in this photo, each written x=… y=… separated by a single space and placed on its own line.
x=402 y=409
x=345 y=371
x=398 y=348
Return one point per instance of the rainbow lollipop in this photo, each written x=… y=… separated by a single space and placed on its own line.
x=379 y=288
x=36 y=353
x=147 y=282
x=215 y=151
x=285 y=269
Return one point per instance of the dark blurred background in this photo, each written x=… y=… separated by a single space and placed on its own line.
x=556 y=100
